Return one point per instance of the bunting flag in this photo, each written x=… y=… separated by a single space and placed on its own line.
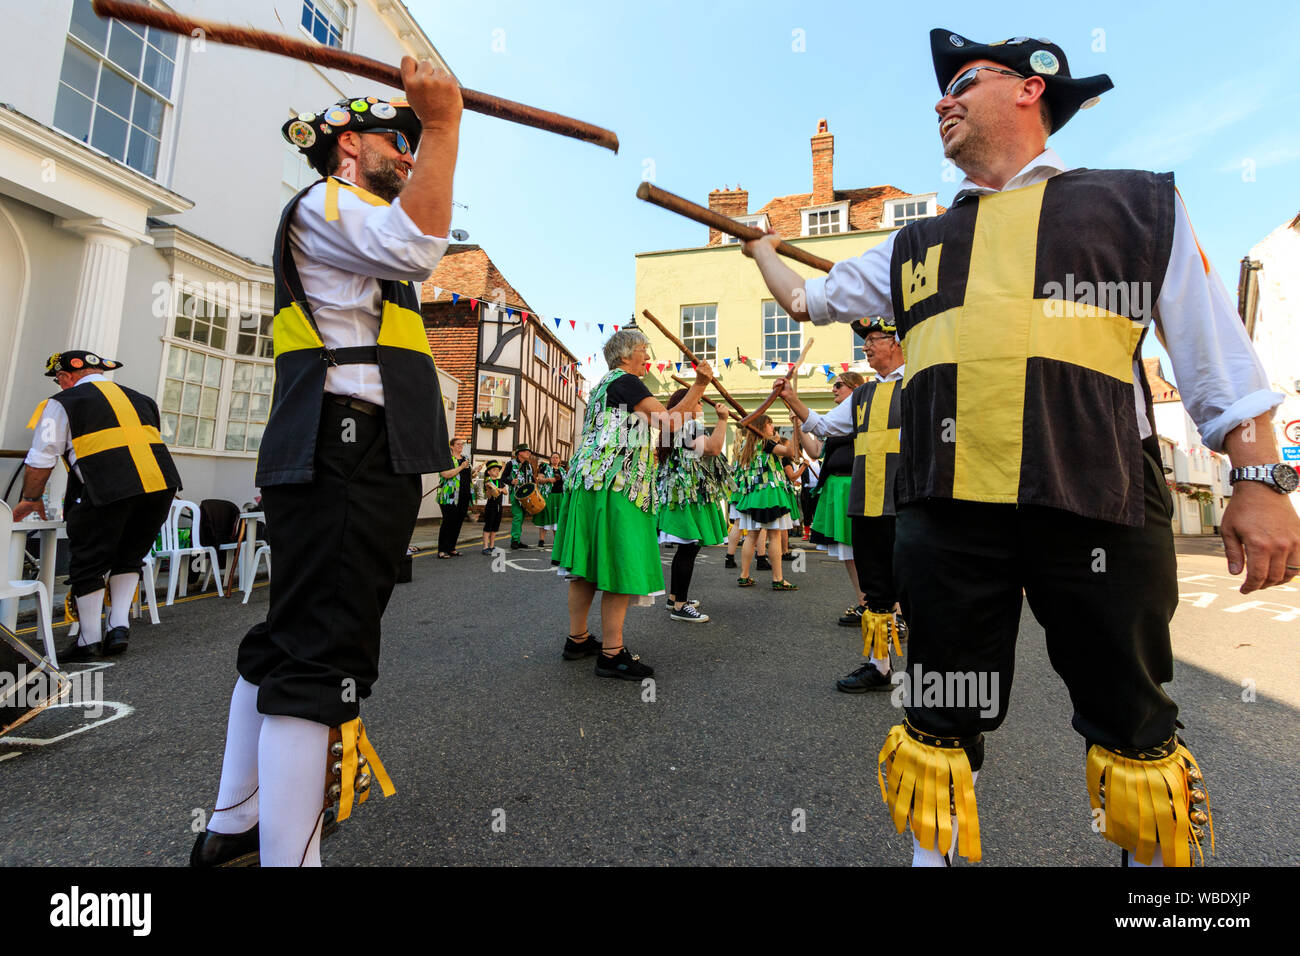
x=647 y=366
x=692 y=366
x=455 y=297
x=661 y=367
x=510 y=313
x=826 y=369
x=744 y=358
x=573 y=323
x=790 y=364
x=437 y=292
x=601 y=326
x=679 y=366
x=616 y=328
x=844 y=366
x=726 y=362
x=558 y=320
x=774 y=366
x=473 y=303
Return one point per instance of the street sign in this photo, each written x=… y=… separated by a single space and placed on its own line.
x=1292 y=432
x=1291 y=453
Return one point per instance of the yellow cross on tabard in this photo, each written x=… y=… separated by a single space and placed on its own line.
x=130 y=433
x=992 y=335
x=874 y=444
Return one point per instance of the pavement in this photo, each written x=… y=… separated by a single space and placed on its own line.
x=740 y=753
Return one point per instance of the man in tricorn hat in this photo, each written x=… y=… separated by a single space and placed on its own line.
x=356 y=417
x=121 y=483
x=1028 y=454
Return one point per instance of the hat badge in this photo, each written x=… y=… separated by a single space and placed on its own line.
x=956 y=40
x=1042 y=61
x=302 y=134
x=383 y=111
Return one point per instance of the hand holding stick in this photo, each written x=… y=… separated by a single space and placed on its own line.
x=778 y=386
x=692 y=356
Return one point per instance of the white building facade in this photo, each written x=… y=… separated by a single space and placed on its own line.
x=142 y=176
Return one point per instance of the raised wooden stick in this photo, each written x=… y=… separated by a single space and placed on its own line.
x=310 y=52
x=767 y=403
x=681 y=381
x=715 y=220
x=694 y=358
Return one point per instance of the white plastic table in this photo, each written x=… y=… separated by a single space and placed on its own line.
x=45 y=567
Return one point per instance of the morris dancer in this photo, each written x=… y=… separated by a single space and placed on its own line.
x=764 y=503
x=689 y=512
x=550 y=482
x=356 y=418
x=1004 y=486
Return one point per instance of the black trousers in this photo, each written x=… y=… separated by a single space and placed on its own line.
x=337 y=544
x=110 y=539
x=873 y=556
x=453 y=518
x=1104 y=593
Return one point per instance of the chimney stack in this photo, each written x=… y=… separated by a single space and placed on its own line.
x=732 y=203
x=823 y=159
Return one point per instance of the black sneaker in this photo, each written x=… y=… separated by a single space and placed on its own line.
x=688 y=613
x=692 y=602
x=516 y=545
x=622 y=665
x=866 y=678
x=576 y=650
x=763 y=563
x=730 y=562
x=853 y=616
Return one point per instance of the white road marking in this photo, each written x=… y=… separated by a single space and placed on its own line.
x=120 y=710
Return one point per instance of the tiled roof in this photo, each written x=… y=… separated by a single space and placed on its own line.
x=466 y=269
x=866 y=208
x=1161 y=390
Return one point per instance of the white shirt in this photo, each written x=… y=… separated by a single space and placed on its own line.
x=53 y=435
x=341 y=264
x=839 y=420
x=1220 y=378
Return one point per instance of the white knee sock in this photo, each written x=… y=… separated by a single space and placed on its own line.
x=89 y=608
x=291 y=772
x=1157 y=860
x=882 y=664
x=237 y=798
x=121 y=588
x=929 y=856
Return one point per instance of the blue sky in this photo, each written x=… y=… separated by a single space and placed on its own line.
x=717 y=93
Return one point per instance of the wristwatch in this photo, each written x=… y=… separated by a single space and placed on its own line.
x=1281 y=478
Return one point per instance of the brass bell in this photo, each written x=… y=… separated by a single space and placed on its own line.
x=363 y=783
x=1194 y=775
x=1197 y=832
x=337 y=769
x=336 y=748
x=361 y=762
x=334 y=791
x=1199 y=817
x=1196 y=796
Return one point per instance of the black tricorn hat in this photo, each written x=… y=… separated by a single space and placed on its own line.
x=864 y=327
x=1065 y=94
x=315 y=133
x=78 y=360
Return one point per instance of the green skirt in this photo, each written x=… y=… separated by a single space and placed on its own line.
x=765 y=505
x=832 y=517
x=701 y=521
x=549 y=516
x=605 y=539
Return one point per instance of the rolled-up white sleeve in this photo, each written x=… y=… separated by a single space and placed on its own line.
x=50 y=439
x=377 y=241
x=854 y=288
x=838 y=421
x=1219 y=376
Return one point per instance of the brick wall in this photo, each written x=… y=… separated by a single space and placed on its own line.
x=730 y=202
x=452 y=331
x=823 y=162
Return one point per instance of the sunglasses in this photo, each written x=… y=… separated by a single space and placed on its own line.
x=964 y=82
x=399 y=141
x=835 y=385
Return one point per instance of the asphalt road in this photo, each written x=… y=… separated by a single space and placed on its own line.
x=479 y=721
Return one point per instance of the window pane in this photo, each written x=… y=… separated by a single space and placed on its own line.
x=148 y=113
x=176 y=363
x=86 y=26
x=125 y=48
x=187 y=431
x=255 y=437
x=194 y=367
x=72 y=114
x=168 y=428
x=306 y=15
x=260 y=408
x=235 y=436
x=243 y=376
x=157 y=71
x=115 y=93
x=79 y=70
x=199 y=333
x=208 y=403
x=264 y=378
x=267 y=348
x=190 y=399
x=182 y=329
x=109 y=134
x=143 y=153
x=206 y=427
x=212 y=374
x=219 y=339
x=238 y=406
x=166 y=42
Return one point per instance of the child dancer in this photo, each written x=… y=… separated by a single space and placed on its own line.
x=492 y=491
x=764 y=503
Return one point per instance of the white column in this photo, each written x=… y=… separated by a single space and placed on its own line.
x=101 y=287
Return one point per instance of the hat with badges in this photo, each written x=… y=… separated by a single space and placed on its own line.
x=314 y=133
x=1065 y=94
x=865 y=328
x=78 y=360
x=492 y=464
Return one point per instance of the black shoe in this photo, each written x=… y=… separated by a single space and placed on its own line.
x=688 y=613
x=788 y=556
x=115 y=640
x=693 y=602
x=516 y=545
x=576 y=650
x=76 y=653
x=730 y=562
x=853 y=616
x=622 y=665
x=865 y=678
x=763 y=563
x=225 y=849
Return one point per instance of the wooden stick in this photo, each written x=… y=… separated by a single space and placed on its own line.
x=715 y=220
x=681 y=381
x=311 y=52
x=767 y=403
x=694 y=358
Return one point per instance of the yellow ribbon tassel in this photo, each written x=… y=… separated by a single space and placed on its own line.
x=355 y=741
x=877 y=630
x=924 y=783
x=1147 y=803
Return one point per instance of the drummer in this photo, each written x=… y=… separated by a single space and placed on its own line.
x=518 y=472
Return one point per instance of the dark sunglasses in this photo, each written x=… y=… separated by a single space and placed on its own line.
x=399 y=142
x=964 y=82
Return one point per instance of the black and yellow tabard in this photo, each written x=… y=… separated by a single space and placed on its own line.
x=115 y=438
x=1022 y=314
x=877 y=421
x=413 y=408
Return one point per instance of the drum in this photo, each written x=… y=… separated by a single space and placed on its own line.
x=530 y=499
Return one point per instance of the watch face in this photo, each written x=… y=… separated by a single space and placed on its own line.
x=1286 y=478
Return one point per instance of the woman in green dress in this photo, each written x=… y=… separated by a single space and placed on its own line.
x=765 y=502
x=689 y=515
x=550 y=482
x=606 y=537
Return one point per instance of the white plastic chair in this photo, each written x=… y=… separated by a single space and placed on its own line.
x=21 y=589
x=263 y=551
x=172 y=552
x=148 y=590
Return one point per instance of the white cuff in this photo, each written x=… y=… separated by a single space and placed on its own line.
x=1242 y=410
x=814 y=290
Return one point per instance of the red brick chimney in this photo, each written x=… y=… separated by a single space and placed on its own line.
x=730 y=202
x=823 y=157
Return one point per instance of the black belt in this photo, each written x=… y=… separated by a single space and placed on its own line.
x=360 y=405
x=352 y=355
